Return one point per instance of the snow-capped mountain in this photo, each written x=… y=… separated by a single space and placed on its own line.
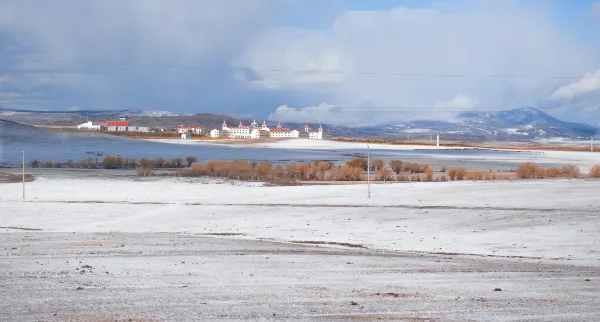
x=516 y=124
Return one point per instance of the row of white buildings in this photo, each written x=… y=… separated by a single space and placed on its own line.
x=112 y=126
x=256 y=131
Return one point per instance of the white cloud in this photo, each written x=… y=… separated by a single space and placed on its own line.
x=460 y=102
x=125 y=35
x=588 y=85
x=322 y=113
x=486 y=38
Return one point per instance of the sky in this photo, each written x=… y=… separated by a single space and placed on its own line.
x=345 y=62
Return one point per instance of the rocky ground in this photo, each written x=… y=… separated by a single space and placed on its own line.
x=158 y=277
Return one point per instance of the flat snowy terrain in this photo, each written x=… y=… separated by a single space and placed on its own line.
x=549 y=219
x=190 y=249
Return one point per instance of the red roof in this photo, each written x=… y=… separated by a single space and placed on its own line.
x=115 y=123
x=281 y=130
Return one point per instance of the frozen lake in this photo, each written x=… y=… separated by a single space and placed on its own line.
x=77 y=149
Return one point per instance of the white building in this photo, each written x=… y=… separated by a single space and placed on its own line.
x=317 y=135
x=280 y=132
x=198 y=130
x=254 y=131
x=138 y=129
x=216 y=133
x=89 y=126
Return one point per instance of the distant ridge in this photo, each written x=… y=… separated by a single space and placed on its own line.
x=522 y=124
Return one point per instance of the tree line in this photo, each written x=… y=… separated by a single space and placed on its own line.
x=351 y=170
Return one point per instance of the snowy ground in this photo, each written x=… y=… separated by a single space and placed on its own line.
x=189 y=249
x=168 y=277
x=550 y=219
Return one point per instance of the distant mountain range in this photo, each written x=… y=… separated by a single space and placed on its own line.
x=522 y=124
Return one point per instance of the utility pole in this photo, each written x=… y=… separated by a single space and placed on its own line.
x=23 y=174
x=368 y=172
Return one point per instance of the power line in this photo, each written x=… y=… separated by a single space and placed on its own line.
x=279 y=70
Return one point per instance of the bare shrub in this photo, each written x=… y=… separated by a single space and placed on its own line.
x=86 y=163
x=553 y=173
x=290 y=170
x=357 y=163
x=322 y=167
x=397 y=166
x=415 y=167
x=190 y=160
x=384 y=174
x=429 y=173
x=377 y=164
x=263 y=169
x=345 y=173
x=570 y=171
x=527 y=170
x=111 y=162
x=595 y=171
x=160 y=162
x=239 y=169
x=176 y=162
x=457 y=174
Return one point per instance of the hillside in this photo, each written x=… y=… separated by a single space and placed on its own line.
x=522 y=124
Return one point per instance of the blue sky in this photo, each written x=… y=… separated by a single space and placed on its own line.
x=294 y=60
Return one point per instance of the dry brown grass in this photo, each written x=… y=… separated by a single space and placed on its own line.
x=13 y=177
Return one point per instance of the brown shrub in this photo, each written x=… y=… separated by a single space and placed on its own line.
x=457 y=174
x=415 y=167
x=357 y=163
x=263 y=169
x=527 y=170
x=111 y=162
x=429 y=173
x=322 y=167
x=384 y=174
x=553 y=173
x=595 y=171
x=570 y=171
x=377 y=164
x=397 y=166
x=87 y=163
x=160 y=162
x=238 y=169
x=146 y=163
x=345 y=173
x=290 y=170
x=190 y=160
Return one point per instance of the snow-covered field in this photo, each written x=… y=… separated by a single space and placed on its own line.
x=550 y=219
x=186 y=249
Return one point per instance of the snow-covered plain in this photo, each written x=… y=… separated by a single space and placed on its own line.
x=549 y=219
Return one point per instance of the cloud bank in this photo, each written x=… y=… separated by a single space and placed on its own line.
x=418 y=63
x=241 y=57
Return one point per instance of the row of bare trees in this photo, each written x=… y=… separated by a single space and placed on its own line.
x=116 y=162
x=530 y=170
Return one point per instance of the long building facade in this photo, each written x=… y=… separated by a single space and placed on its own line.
x=256 y=131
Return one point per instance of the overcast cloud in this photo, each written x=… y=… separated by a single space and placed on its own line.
x=237 y=56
